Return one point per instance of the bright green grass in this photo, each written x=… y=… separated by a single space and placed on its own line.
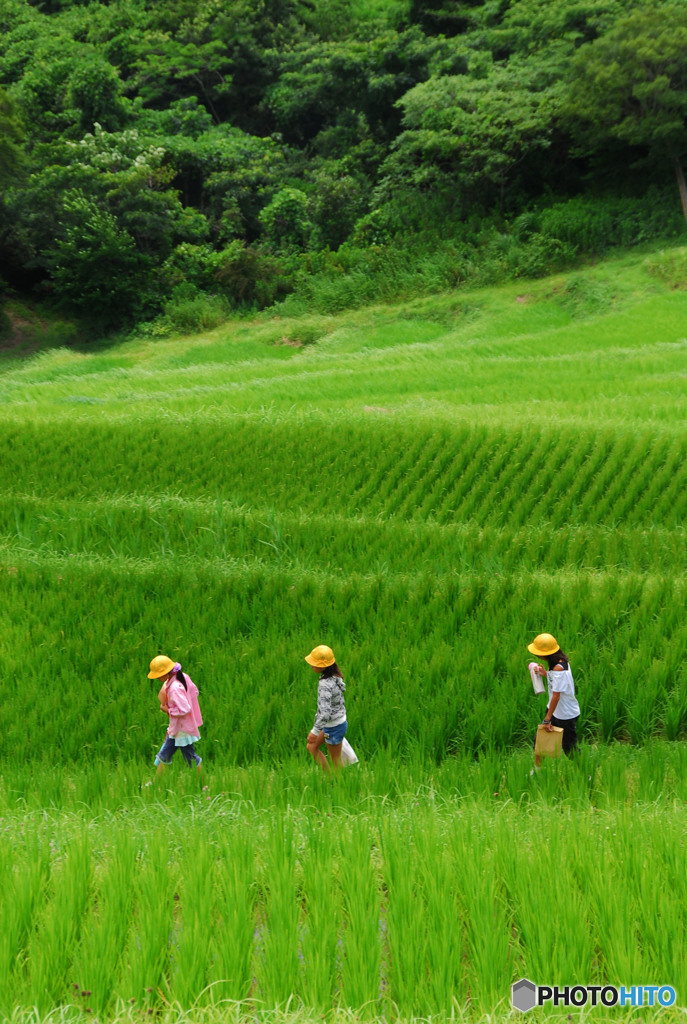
x=424 y=487
x=393 y=892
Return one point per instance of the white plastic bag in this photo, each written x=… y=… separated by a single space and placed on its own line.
x=537 y=681
x=348 y=754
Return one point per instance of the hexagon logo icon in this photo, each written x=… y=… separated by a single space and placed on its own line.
x=524 y=995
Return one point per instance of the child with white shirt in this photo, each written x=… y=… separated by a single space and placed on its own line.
x=563 y=709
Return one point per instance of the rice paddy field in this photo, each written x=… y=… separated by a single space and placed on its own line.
x=423 y=487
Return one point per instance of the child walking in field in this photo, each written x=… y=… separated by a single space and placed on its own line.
x=563 y=709
x=179 y=699
x=330 y=721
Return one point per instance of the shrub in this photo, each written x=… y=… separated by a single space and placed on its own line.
x=669 y=267
x=595 y=224
x=250 y=277
x=507 y=256
x=187 y=311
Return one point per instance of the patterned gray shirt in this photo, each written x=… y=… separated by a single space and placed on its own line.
x=331 y=709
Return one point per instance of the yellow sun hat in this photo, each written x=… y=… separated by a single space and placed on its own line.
x=160 y=666
x=543 y=644
x=320 y=657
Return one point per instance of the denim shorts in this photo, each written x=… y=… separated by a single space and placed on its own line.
x=168 y=748
x=334 y=734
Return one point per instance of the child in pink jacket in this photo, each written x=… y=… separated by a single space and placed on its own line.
x=178 y=699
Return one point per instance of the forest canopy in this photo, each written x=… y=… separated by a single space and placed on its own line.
x=167 y=161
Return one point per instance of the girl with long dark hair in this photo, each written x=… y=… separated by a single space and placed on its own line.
x=330 y=721
x=563 y=709
x=178 y=699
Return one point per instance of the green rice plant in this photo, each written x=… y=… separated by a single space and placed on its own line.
x=277 y=966
x=613 y=905
x=19 y=900
x=612 y=713
x=663 y=898
x=406 y=921
x=660 y=915
x=444 y=620
x=651 y=762
x=444 y=941
x=614 y=772
x=363 y=925
x=322 y=917
x=517 y=776
x=486 y=916
x=52 y=945
x=104 y=930
x=145 y=965
x=233 y=936
x=191 y=950
x=525 y=876
x=574 y=941
x=467 y=891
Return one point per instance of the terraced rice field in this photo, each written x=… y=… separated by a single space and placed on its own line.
x=424 y=488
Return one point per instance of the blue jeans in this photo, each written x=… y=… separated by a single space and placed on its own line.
x=167 y=751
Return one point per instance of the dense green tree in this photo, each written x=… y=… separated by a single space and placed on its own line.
x=97 y=269
x=229 y=175
x=337 y=201
x=473 y=132
x=12 y=157
x=536 y=27
x=114 y=182
x=446 y=17
x=286 y=220
x=319 y=86
x=630 y=85
x=221 y=146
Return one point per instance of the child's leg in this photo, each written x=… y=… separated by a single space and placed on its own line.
x=570 y=742
x=537 y=757
x=335 y=753
x=164 y=756
x=314 y=744
x=190 y=757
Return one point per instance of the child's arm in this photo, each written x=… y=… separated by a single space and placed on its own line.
x=555 y=697
x=324 y=706
x=178 y=703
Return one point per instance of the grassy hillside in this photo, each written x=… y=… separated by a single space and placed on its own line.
x=423 y=487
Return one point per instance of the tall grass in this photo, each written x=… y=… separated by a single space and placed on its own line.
x=241 y=634
x=431 y=900
x=233 y=936
x=424 y=488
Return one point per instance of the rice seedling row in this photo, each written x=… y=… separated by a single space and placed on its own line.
x=206 y=531
x=96 y=622
x=253 y=464
x=390 y=937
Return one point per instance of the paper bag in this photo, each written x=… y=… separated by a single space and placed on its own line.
x=549 y=744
